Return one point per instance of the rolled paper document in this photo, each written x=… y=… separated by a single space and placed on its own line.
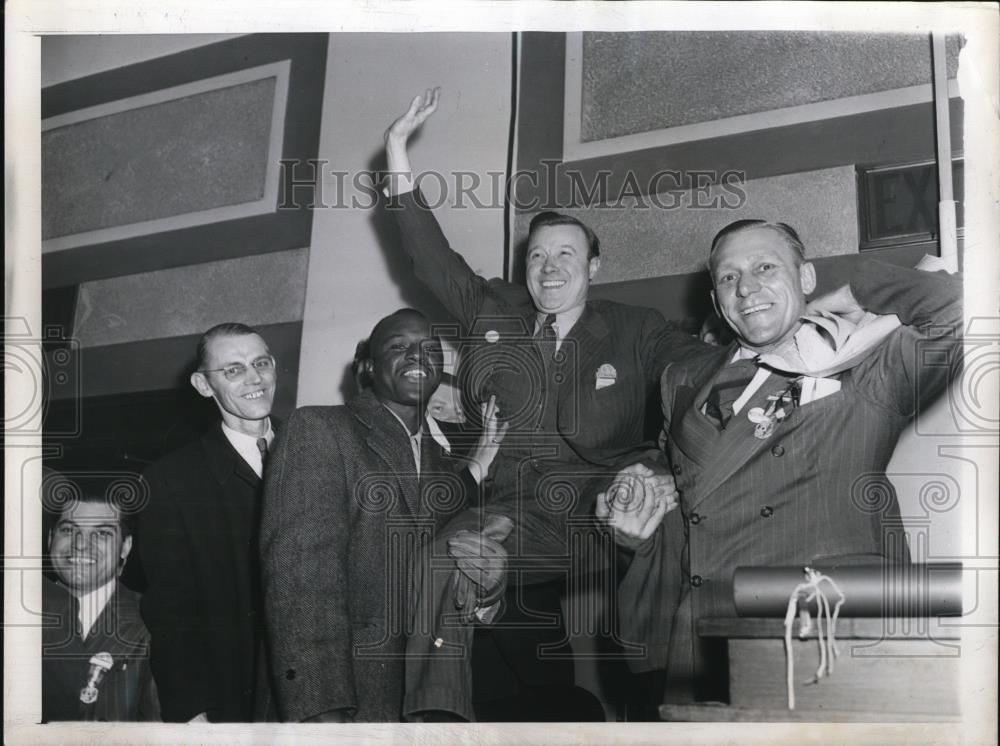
x=889 y=590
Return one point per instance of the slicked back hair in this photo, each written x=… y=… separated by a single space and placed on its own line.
x=784 y=229
x=126 y=513
x=228 y=329
x=547 y=218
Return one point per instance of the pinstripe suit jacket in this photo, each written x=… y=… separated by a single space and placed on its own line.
x=598 y=430
x=815 y=491
x=127 y=691
x=343 y=511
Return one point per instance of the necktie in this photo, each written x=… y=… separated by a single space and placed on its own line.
x=728 y=386
x=262 y=447
x=547 y=333
x=77 y=619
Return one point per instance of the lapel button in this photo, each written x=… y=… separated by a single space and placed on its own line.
x=778 y=451
x=767 y=511
x=696 y=581
x=695 y=518
x=677 y=469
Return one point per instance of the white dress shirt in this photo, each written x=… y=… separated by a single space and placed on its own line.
x=414 y=438
x=92 y=604
x=562 y=325
x=246 y=445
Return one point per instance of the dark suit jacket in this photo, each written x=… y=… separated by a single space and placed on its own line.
x=343 y=513
x=603 y=429
x=814 y=492
x=127 y=691
x=197 y=540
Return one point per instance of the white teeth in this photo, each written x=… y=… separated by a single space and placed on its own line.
x=755 y=309
x=553 y=283
x=254 y=395
x=415 y=373
x=81 y=561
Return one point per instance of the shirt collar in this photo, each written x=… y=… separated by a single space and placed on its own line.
x=241 y=437
x=92 y=604
x=402 y=424
x=564 y=321
x=246 y=445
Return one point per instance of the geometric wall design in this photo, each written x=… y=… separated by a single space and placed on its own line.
x=639 y=82
x=256 y=290
x=640 y=239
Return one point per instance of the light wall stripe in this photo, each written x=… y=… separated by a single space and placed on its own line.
x=256 y=290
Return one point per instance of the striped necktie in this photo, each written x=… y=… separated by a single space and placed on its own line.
x=547 y=332
x=728 y=386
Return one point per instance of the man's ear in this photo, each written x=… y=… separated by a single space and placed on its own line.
x=48 y=547
x=595 y=264
x=200 y=384
x=807 y=276
x=123 y=554
x=366 y=371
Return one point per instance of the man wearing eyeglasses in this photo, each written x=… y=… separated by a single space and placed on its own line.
x=197 y=540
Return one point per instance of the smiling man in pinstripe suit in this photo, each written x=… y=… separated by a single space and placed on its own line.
x=779 y=471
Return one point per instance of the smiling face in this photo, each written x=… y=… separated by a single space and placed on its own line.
x=559 y=269
x=406 y=363
x=86 y=545
x=244 y=402
x=760 y=286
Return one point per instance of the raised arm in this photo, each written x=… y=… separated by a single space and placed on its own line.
x=397 y=136
x=916 y=362
x=443 y=270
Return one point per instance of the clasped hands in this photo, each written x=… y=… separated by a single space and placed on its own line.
x=480 y=578
x=635 y=503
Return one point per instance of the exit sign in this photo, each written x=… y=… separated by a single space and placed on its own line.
x=898 y=205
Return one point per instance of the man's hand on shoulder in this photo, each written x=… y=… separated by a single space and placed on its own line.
x=635 y=503
x=840 y=302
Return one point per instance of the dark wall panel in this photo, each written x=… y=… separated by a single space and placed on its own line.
x=286 y=228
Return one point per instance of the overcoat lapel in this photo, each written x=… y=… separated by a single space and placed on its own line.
x=386 y=439
x=736 y=443
x=224 y=460
x=692 y=432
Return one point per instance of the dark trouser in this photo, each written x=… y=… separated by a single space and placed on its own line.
x=554 y=536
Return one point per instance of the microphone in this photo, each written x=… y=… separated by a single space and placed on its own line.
x=100 y=664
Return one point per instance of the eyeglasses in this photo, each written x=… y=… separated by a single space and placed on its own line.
x=236 y=371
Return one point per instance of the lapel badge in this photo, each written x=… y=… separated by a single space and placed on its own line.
x=606 y=376
x=492 y=336
x=764 y=420
x=763 y=423
x=100 y=664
